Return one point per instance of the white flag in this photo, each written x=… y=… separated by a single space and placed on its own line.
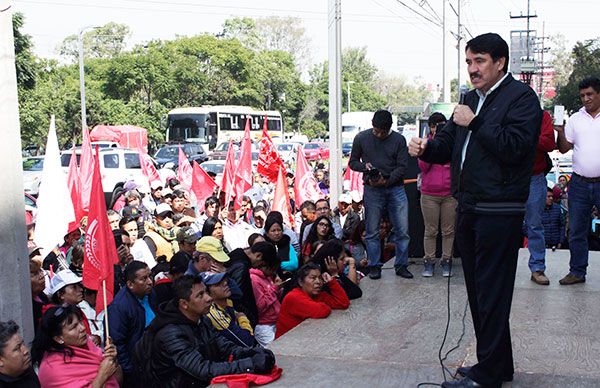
x=54 y=206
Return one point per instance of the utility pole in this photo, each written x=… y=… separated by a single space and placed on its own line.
x=445 y=80
x=541 y=51
x=15 y=285
x=334 y=21
x=348 y=83
x=82 y=79
x=528 y=74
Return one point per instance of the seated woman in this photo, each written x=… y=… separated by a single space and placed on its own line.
x=65 y=355
x=310 y=299
x=358 y=248
x=266 y=286
x=333 y=259
x=321 y=230
x=285 y=251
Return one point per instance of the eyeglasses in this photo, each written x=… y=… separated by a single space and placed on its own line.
x=323 y=224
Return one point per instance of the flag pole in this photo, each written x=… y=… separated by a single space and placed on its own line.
x=106 y=333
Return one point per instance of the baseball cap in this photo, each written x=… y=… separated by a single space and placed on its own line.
x=345 y=198
x=32 y=248
x=131 y=211
x=155 y=185
x=187 y=234
x=213 y=247
x=163 y=208
x=356 y=197
x=212 y=278
x=130 y=185
x=62 y=279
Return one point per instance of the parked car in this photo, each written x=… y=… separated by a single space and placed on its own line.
x=314 y=151
x=346 y=148
x=288 y=151
x=169 y=153
x=30 y=208
x=220 y=152
x=215 y=166
x=32 y=174
x=116 y=165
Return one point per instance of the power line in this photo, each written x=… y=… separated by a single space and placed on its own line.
x=432 y=34
x=431 y=12
x=418 y=13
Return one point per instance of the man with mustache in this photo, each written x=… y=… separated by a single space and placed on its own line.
x=490 y=141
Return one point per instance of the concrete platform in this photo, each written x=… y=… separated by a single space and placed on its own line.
x=391 y=336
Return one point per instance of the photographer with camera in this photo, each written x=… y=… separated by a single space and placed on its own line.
x=381 y=155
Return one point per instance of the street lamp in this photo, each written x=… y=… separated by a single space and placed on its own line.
x=349 y=82
x=81 y=75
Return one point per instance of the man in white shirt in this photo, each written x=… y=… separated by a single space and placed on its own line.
x=235 y=230
x=582 y=135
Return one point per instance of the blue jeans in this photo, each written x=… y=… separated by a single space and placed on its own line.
x=582 y=196
x=533 y=221
x=376 y=200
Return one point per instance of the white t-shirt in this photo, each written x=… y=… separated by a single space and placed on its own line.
x=583 y=131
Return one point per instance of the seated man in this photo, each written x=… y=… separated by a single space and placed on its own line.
x=230 y=323
x=130 y=313
x=15 y=360
x=181 y=349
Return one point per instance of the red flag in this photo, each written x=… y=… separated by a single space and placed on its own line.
x=147 y=166
x=243 y=173
x=202 y=185
x=100 y=253
x=184 y=171
x=228 y=174
x=305 y=185
x=73 y=182
x=354 y=179
x=86 y=168
x=269 y=161
x=281 y=199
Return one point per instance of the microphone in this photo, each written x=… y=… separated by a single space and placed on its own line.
x=462 y=92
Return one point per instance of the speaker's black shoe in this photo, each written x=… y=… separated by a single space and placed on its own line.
x=465 y=382
x=464 y=370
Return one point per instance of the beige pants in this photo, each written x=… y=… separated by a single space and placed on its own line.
x=436 y=211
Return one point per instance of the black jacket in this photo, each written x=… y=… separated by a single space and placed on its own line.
x=183 y=353
x=352 y=219
x=238 y=269
x=499 y=157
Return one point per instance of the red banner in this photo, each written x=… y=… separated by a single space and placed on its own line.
x=269 y=161
x=202 y=185
x=354 y=179
x=147 y=166
x=73 y=181
x=86 y=167
x=184 y=171
x=228 y=174
x=100 y=252
x=281 y=199
x=305 y=185
x=243 y=173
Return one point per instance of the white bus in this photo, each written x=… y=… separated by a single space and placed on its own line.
x=212 y=125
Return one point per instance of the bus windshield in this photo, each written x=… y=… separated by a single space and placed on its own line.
x=182 y=127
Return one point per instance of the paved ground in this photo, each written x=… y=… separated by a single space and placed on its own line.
x=391 y=337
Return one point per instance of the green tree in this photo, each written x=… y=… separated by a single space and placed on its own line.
x=24 y=58
x=561 y=59
x=398 y=92
x=106 y=41
x=244 y=30
x=586 y=64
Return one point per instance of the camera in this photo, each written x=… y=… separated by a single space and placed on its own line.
x=373 y=174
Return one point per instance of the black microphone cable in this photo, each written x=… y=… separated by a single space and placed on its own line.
x=440 y=358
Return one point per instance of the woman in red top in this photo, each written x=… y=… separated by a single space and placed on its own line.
x=310 y=299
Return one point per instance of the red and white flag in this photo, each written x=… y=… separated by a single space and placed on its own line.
x=243 y=172
x=203 y=185
x=281 y=199
x=305 y=186
x=74 y=183
x=147 y=166
x=184 y=171
x=228 y=174
x=100 y=253
x=86 y=168
x=269 y=161
x=353 y=181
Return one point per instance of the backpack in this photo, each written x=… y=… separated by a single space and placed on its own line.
x=143 y=376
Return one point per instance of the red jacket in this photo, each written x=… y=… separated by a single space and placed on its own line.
x=266 y=295
x=298 y=306
x=546 y=143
